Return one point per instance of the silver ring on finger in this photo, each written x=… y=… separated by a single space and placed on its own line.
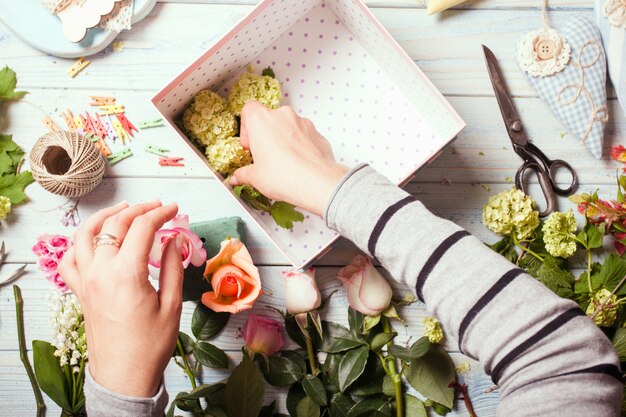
x=103 y=239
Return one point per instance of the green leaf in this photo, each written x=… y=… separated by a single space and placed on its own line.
x=307 y=408
x=293 y=330
x=268 y=410
x=331 y=367
x=371 y=407
x=284 y=214
x=187 y=342
x=416 y=351
x=204 y=390
x=269 y=72
x=355 y=320
x=432 y=374
x=8 y=81
x=340 y=405
x=210 y=355
x=611 y=273
x=371 y=380
x=314 y=388
x=50 y=375
x=413 y=407
x=388 y=387
x=12 y=186
x=245 y=390
x=619 y=343
x=381 y=339
x=506 y=248
x=332 y=333
x=552 y=272
x=206 y=323
x=341 y=344
x=296 y=357
x=351 y=367
x=10 y=155
x=294 y=396
x=282 y=371
x=253 y=198
x=369 y=322
x=592 y=235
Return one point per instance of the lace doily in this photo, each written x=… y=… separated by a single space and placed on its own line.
x=120 y=18
x=615 y=12
x=543 y=52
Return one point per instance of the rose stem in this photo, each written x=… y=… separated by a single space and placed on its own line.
x=468 y=404
x=395 y=377
x=188 y=371
x=311 y=355
x=19 y=312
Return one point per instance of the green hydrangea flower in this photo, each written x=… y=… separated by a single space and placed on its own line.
x=226 y=155
x=607 y=316
x=509 y=212
x=250 y=86
x=208 y=119
x=559 y=234
x=5 y=207
x=433 y=330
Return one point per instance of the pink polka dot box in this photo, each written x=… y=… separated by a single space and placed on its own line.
x=340 y=68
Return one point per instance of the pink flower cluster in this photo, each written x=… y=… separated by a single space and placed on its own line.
x=50 y=250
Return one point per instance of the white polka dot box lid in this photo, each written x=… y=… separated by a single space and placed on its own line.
x=340 y=68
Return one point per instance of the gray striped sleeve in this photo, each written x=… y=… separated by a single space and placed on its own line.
x=547 y=356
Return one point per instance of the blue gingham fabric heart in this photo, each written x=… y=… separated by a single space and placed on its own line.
x=611 y=19
x=577 y=95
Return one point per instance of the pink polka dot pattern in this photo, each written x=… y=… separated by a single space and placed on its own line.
x=339 y=68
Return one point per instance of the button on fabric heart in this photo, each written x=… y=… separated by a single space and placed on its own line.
x=575 y=89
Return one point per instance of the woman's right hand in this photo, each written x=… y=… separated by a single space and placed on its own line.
x=292 y=161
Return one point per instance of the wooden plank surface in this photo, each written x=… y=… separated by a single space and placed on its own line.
x=455 y=186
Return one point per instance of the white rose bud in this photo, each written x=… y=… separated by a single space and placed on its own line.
x=368 y=291
x=301 y=293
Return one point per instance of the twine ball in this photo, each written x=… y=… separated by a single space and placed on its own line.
x=66 y=163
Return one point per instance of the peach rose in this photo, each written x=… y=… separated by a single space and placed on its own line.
x=234 y=278
x=368 y=291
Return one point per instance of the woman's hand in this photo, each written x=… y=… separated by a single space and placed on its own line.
x=131 y=328
x=292 y=161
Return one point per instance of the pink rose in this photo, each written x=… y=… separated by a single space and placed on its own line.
x=368 y=291
x=301 y=292
x=188 y=242
x=263 y=335
x=56 y=279
x=58 y=243
x=41 y=248
x=48 y=263
x=234 y=278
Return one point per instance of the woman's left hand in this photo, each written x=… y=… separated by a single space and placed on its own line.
x=131 y=328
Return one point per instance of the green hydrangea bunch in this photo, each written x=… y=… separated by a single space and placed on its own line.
x=250 y=86
x=433 y=330
x=226 y=155
x=511 y=212
x=5 y=207
x=208 y=119
x=607 y=316
x=559 y=234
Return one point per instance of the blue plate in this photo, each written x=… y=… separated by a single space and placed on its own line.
x=32 y=22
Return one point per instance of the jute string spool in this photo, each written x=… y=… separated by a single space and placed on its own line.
x=66 y=163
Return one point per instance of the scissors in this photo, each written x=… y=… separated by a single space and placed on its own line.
x=15 y=275
x=534 y=160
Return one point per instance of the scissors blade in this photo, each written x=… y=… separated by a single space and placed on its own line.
x=511 y=119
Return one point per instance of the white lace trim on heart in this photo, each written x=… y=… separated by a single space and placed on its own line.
x=529 y=58
x=615 y=12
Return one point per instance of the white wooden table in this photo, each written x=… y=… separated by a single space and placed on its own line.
x=446 y=47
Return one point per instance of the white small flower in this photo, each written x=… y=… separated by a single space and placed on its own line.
x=615 y=12
x=543 y=52
x=66 y=322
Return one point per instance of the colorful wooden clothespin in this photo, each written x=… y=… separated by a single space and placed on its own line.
x=102 y=101
x=78 y=66
x=147 y=124
x=80 y=127
x=119 y=130
x=171 y=161
x=49 y=123
x=108 y=126
x=114 y=109
x=155 y=149
x=116 y=157
x=102 y=146
x=68 y=117
x=88 y=126
x=99 y=126
x=126 y=124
